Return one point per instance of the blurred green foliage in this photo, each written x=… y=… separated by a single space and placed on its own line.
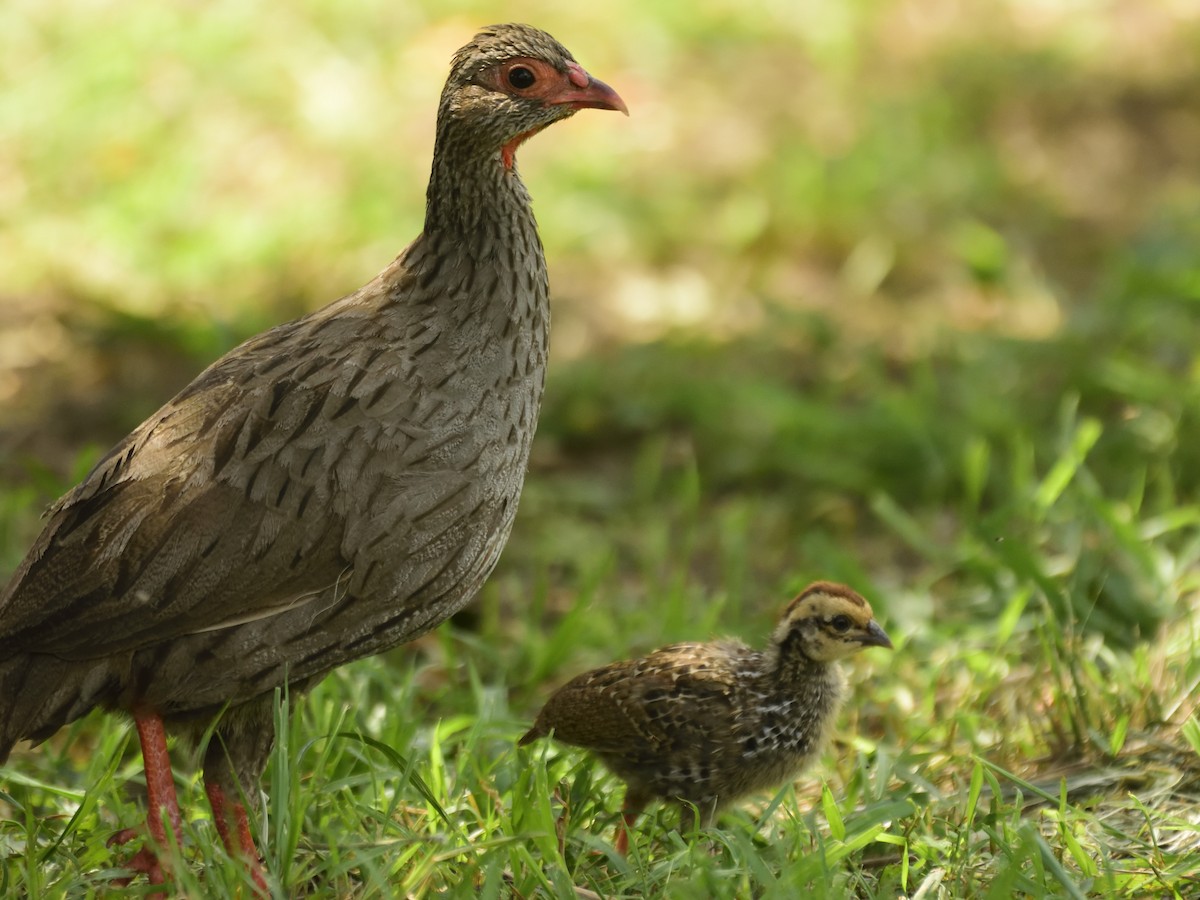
x=842 y=251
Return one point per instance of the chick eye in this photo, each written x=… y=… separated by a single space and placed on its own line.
x=521 y=77
x=841 y=623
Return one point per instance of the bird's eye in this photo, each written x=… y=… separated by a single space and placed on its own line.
x=521 y=77
x=841 y=623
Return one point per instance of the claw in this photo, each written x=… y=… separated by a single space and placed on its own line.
x=124 y=836
x=144 y=862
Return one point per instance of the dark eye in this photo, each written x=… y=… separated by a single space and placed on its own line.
x=841 y=623
x=521 y=77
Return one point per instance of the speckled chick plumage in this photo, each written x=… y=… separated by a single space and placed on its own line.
x=707 y=723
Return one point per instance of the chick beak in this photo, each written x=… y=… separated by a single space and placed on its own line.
x=875 y=636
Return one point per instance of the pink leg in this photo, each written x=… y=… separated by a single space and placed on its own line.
x=628 y=817
x=231 y=817
x=160 y=793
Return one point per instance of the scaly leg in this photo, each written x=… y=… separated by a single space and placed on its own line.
x=236 y=755
x=628 y=817
x=635 y=802
x=161 y=800
x=233 y=824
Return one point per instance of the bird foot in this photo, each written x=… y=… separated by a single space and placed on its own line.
x=144 y=862
x=124 y=836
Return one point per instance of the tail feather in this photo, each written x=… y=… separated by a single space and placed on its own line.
x=531 y=735
x=39 y=694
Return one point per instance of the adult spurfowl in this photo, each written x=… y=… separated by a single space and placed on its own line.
x=328 y=489
x=705 y=724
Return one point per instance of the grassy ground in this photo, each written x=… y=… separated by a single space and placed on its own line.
x=905 y=295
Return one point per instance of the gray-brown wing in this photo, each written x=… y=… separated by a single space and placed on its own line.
x=229 y=504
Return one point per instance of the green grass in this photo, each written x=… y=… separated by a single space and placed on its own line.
x=1002 y=750
x=910 y=303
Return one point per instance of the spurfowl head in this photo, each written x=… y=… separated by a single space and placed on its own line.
x=512 y=81
x=826 y=622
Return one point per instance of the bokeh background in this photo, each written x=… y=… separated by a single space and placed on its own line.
x=845 y=262
x=904 y=293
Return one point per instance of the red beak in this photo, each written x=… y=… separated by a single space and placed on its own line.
x=589 y=93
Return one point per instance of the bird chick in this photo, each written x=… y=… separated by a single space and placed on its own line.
x=705 y=724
